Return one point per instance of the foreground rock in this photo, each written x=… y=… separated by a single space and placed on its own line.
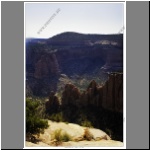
x=77 y=134
x=102 y=143
x=39 y=144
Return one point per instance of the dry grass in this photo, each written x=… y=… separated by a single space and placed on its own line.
x=87 y=135
x=59 y=136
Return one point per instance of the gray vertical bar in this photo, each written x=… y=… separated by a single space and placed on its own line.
x=137 y=23
x=12 y=67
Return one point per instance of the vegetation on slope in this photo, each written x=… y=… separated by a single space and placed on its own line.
x=35 y=124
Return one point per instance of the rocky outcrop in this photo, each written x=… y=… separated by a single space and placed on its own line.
x=71 y=95
x=46 y=66
x=77 y=134
x=42 y=74
x=53 y=104
x=109 y=96
x=41 y=68
x=113 y=93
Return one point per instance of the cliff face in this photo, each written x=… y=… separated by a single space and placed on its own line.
x=109 y=96
x=46 y=66
x=53 y=104
x=112 y=97
x=70 y=54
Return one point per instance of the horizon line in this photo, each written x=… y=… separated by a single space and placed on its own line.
x=73 y=32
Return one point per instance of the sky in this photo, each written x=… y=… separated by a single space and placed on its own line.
x=44 y=20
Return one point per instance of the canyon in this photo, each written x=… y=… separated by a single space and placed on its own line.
x=70 y=53
x=81 y=75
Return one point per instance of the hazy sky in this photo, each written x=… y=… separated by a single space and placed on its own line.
x=55 y=18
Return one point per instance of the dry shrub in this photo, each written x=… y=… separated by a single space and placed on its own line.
x=87 y=135
x=59 y=137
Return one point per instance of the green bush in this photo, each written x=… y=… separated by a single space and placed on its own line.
x=34 y=123
x=86 y=123
x=60 y=136
x=66 y=137
x=58 y=117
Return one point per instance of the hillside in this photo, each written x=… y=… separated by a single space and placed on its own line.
x=72 y=54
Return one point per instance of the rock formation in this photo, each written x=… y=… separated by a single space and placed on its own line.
x=71 y=95
x=46 y=66
x=109 y=96
x=100 y=105
x=53 y=104
x=79 y=138
x=113 y=93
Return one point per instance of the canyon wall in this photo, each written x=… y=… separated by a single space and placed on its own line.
x=70 y=54
x=109 y=96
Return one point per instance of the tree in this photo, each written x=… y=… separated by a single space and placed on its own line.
x=34 y=123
